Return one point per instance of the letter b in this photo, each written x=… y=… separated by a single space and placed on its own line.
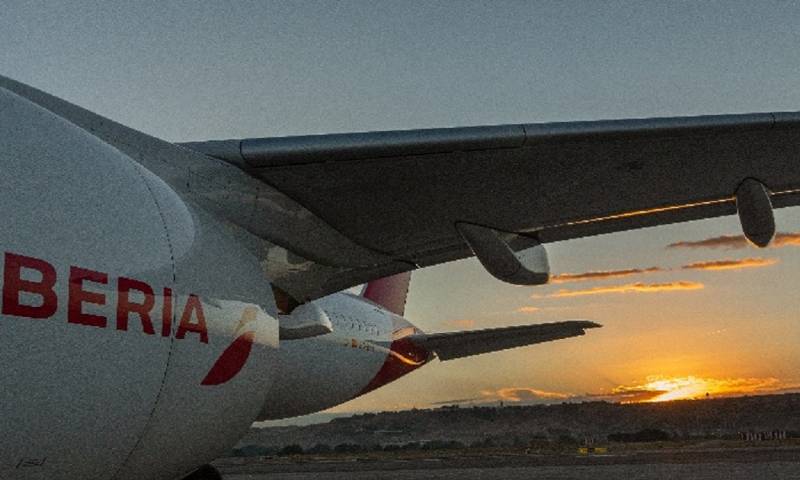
x=13 y=284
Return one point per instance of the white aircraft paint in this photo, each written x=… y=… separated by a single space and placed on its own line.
x=90 y=402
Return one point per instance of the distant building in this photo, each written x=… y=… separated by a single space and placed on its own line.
x=763 y=436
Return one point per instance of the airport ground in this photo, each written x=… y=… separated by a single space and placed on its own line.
x=665 y=462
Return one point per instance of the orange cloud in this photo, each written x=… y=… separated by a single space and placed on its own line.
x=731 y=264
x=601 y=274
x=655 y=388
x=662 y=389
x=786 y=239
x=735 y=242
x=631 y=395
x=630 y=288
x=523 y=394
x=527 y=309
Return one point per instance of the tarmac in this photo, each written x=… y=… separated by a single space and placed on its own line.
x=727 y=464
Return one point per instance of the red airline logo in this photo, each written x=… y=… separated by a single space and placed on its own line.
x=192 y=319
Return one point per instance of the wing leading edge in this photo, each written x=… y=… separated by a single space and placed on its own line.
x=403 y=193
x=448 y=346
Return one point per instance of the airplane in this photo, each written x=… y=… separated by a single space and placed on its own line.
x=369 y=344
x=153 y=293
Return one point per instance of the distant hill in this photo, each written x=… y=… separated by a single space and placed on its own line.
x=510 y=425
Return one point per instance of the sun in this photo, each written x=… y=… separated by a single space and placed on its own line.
x=678 y=388
x=664 y=389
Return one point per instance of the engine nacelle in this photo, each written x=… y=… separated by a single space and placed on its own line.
x=133 y=325
x=365 y=351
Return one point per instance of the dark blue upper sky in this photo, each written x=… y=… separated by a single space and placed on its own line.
x=185 y=70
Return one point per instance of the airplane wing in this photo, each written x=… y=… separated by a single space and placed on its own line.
x=401 y=193
x=404 y=193
x=334 y=211
x=448 y=346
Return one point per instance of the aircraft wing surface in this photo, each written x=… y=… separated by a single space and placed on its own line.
x=402 y=193
x=448 y=346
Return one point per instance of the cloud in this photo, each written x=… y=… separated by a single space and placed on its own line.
x=707 y=265
x=630 y=288
x=786 y=240
x=457 y=401
x=601 y=274
x=661 y=389
x=631 y=395
x=731 y=264
x=523 y=394
x=723 y=241
x=527 y=309
x=735 y=242
x=655 y=388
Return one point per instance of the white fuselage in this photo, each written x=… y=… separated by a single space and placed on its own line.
x=122 y=304
x=139 y=337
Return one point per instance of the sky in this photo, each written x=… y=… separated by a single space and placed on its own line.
x=210 y=70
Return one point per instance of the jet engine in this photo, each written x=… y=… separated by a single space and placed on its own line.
x=133 y=325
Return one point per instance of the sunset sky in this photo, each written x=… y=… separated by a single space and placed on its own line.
x=687 y=309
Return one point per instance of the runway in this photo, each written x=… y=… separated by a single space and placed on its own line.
x=730 y=464
x=713 y=471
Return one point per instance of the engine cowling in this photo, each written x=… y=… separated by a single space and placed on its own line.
x=137 y=336
x=365 y=350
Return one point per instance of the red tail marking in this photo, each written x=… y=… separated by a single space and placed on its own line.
x=390 y=292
